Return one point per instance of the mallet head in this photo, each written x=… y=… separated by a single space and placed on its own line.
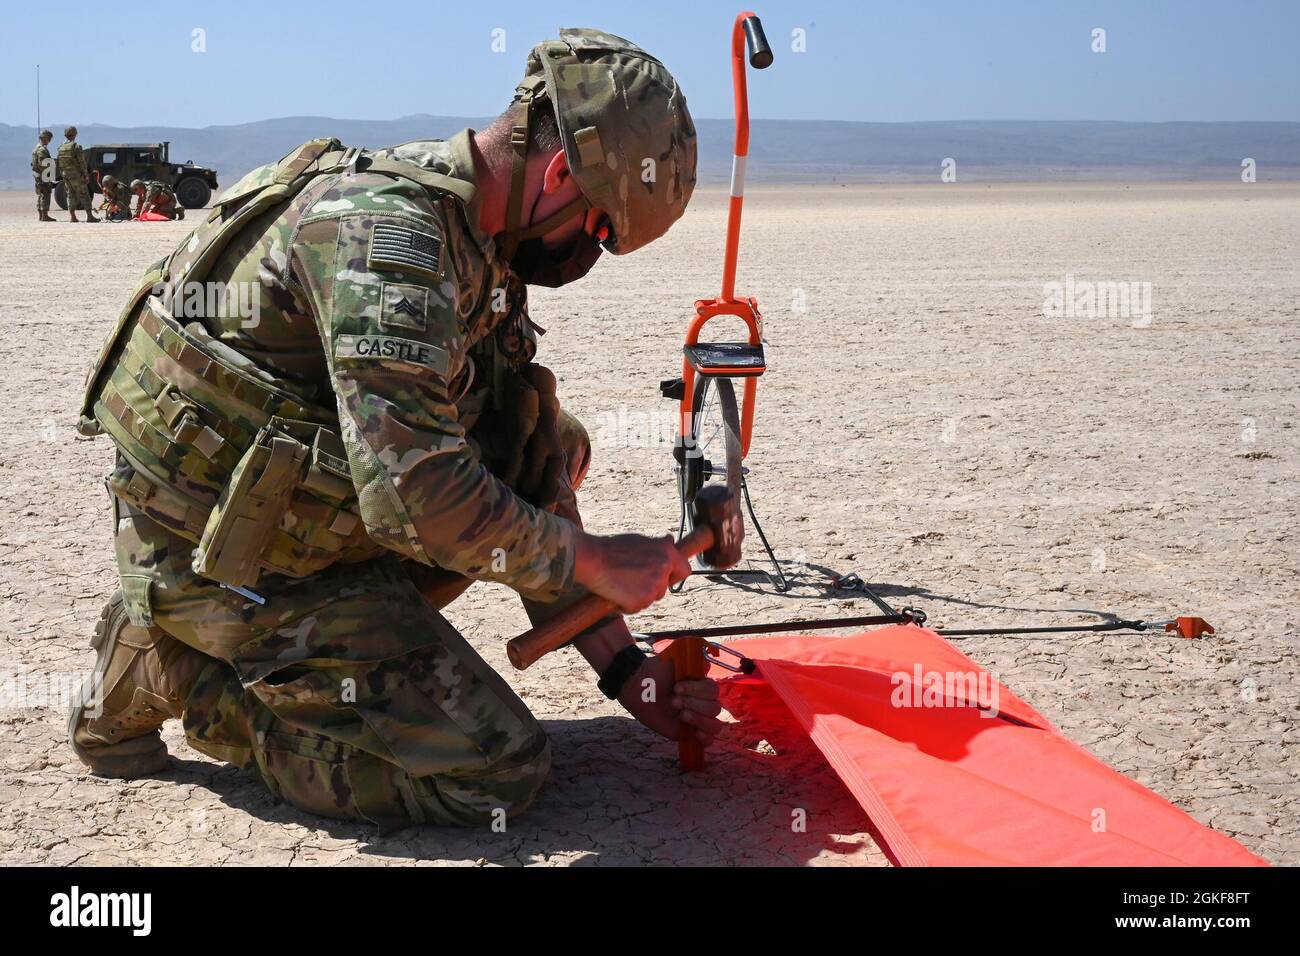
x=715 y=507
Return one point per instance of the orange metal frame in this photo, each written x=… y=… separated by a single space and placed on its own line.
x=727 y=303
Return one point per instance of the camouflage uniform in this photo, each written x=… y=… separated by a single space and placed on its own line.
x=346 y=691
x=388 y=359
x=41 y=172
x=75 y=175
x=159 y=198
x=117 y=199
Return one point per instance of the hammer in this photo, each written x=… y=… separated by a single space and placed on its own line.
x=717 y=534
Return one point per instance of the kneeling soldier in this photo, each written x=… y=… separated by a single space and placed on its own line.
x=117 y=199
x=296 y=497
x=155 y=197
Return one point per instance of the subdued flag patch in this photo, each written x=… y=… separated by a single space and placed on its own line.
x=403 y=249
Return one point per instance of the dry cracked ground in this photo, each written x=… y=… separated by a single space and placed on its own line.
x=923 y=424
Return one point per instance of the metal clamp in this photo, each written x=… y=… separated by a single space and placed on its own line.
x=744 y=665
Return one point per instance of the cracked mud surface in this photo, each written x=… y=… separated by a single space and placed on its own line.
x=922 y=424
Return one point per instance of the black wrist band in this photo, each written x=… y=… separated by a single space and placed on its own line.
x=623 y=666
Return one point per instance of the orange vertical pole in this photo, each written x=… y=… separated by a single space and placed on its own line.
x=740 y=154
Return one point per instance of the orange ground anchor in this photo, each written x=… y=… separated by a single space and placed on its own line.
x=687 y=655
x=1190 y=627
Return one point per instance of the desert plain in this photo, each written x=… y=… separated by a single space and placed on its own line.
x=923 y=424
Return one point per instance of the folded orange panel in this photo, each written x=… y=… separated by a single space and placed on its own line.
x=151 y=217
x=955 y=770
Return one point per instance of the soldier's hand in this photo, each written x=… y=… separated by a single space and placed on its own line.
x=630 y=570
x=651 y=696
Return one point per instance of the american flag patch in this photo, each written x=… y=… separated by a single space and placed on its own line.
x=403 y=249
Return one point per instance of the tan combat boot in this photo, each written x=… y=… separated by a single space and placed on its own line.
x=142 y=675
x=46 y=217
x=90 y=216
x=73 y=214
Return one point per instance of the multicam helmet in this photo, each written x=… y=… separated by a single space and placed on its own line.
x=46 y=134
x=110 y=181
x=137 y=184
x=70 y=132
x=627 y=134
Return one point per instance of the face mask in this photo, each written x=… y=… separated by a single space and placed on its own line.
x=537 y=265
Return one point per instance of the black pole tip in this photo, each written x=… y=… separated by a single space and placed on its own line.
x=760 y=53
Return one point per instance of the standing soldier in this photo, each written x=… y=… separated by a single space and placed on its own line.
x=153 y=196
x=75 y=176
x=296 y=498
x=43 y=173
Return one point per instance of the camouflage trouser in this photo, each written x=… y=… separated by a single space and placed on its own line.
x=78 y=193
x=43 y=190
x=346 y=692
x=167 y=206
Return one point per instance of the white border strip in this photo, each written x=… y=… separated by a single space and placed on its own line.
x=738 y=175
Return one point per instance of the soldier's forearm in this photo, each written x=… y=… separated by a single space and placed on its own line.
x=599 y=646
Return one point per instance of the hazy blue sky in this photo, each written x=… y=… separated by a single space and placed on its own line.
x=130 y=63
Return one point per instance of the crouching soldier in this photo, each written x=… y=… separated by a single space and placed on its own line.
x=297 y=498
x=116 y=203
x=155 y=197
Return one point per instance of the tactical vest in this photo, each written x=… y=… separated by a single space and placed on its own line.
x=217 y=449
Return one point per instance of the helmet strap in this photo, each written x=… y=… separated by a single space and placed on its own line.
x=527 y=91
x=554 y=220
x=530 y=91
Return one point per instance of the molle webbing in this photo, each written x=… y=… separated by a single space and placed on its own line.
x=192 y=425
x=213 y=446
x=159 y=337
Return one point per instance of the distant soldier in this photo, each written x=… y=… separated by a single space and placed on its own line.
x=75 y=175
x=117 y=199
x=153 y=196
x=43 y=173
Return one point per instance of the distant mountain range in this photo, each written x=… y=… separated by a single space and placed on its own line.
x=792 y=151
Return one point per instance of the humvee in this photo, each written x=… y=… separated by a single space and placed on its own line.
x=127 y=161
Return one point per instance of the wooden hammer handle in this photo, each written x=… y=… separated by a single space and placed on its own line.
x=525 y=650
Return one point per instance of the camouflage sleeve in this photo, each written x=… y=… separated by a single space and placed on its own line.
x=79 y=160
x=370 y=253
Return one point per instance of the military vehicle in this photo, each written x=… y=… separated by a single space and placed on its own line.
x=193 y=185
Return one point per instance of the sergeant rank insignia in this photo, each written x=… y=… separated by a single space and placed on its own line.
x=402 y=249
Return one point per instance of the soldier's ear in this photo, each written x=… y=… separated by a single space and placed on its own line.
x=557 y=173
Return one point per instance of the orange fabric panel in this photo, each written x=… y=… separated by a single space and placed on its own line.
x=955 y=770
